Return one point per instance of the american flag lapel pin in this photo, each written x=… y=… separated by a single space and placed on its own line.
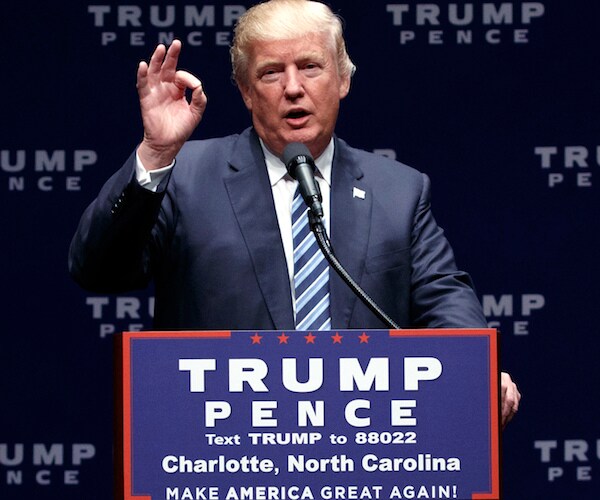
x=358 y=193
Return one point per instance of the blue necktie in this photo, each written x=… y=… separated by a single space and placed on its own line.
x=311 y=273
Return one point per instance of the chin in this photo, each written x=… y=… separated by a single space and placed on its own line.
x=305 y=138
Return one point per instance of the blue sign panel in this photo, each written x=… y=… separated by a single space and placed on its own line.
x=300 y=415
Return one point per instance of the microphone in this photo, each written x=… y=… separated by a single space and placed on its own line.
x=301 y=166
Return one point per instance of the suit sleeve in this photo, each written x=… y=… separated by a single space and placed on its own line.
x=441 y=295
x=111 y=251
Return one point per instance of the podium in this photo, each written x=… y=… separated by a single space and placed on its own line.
x=343 y=414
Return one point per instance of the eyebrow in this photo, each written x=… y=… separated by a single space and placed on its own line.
x=306 y=56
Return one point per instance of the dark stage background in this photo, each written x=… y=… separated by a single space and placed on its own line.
x=498 y=102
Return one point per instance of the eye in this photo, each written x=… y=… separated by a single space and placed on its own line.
x=269 y=74
x=311 y=68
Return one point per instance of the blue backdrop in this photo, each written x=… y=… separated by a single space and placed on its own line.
x=498 y=102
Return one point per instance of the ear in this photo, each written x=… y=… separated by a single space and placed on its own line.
x=246 y=92
x=344 y=86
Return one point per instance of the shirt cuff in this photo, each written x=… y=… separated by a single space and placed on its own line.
x=150 y=179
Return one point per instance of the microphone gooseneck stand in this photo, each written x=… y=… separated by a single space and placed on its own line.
x=317 y=227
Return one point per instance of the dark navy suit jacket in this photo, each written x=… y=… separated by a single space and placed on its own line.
x=210 y=240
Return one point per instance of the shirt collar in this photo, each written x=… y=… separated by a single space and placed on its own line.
x=277 y=171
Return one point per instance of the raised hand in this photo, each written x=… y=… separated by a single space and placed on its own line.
x=168 y=117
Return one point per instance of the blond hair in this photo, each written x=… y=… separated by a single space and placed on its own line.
x=284 y=20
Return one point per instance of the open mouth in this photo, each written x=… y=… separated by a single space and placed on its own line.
x=296 y=114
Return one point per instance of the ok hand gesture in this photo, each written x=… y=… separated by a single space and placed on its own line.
x=168 y=117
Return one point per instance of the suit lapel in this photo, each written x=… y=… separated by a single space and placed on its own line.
x=251 y=198
x=351 y=203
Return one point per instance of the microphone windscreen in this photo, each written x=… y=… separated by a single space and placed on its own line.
x=291 y=153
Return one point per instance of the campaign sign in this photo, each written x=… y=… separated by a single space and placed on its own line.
x=309 y=415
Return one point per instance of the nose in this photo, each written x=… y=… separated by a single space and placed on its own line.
x=293 y=86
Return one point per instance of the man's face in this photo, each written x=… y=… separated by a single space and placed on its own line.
x=293 y=91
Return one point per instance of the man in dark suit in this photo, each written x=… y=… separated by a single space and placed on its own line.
x=209 y=221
